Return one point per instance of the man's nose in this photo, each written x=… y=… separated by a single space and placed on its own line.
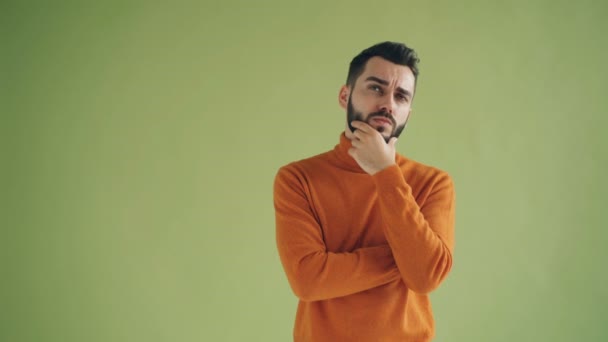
x=387 y=105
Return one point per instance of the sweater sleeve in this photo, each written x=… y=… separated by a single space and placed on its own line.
x=421 y=237
x=313 y=272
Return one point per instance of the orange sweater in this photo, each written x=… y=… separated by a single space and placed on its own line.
x=363 y=252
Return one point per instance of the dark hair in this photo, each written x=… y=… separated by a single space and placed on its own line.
x=397 y=53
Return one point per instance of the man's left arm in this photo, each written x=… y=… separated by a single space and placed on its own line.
x=421 y=237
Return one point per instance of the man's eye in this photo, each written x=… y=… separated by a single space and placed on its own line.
x=402 y=98
x=375 y=88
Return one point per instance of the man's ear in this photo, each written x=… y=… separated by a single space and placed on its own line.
x=343 y=96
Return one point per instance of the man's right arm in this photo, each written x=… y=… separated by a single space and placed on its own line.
x=312 y=271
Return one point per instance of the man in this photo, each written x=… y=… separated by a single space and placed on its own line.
x=365 y=234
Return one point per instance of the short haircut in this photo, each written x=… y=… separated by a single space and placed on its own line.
x=397 y=53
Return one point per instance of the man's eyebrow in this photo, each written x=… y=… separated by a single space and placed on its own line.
x=376 y=79
x=385 y=82
x=404 y=92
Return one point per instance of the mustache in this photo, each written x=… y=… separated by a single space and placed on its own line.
x=383 y=114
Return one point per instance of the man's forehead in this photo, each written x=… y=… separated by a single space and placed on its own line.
x=381 y=68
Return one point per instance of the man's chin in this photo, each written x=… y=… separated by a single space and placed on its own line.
x=384 y=131
x=380 y=129
x=386 y=136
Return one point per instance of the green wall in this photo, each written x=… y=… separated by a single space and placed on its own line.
x=140 y=142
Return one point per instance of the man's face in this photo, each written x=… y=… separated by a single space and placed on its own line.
x=381 y=97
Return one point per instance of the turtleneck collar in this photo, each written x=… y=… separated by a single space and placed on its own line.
x=341 y=153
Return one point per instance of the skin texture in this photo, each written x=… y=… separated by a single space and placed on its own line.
x=380 y=104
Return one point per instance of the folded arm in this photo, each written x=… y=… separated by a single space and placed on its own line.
x=421 y=237
x=313 y=272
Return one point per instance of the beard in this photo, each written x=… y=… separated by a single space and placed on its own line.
x=352 y=115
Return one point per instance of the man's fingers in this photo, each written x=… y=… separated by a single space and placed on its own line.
x=359 y=134
x=392 y=142
x=365 y=132
x=360 y=125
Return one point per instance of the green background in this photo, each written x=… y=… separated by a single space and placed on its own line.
x=140 y=141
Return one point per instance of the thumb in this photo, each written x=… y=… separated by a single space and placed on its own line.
x=392 y=142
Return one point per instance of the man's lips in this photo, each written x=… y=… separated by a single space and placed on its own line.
x=381 y=120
